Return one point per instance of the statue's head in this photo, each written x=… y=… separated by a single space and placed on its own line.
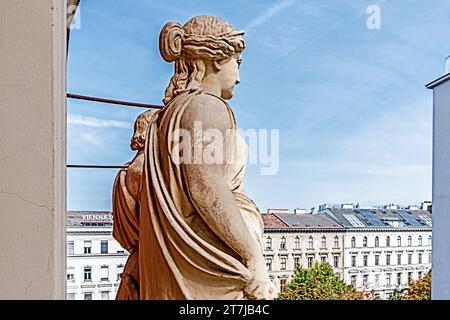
x=140 y=129
x=206 y=47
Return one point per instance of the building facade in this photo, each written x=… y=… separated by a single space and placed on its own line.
x=95 y=259
x=378 y=250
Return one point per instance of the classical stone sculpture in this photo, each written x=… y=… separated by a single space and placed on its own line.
x=180 y=208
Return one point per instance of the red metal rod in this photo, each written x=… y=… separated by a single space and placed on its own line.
x=92 y=166
x=124 y=103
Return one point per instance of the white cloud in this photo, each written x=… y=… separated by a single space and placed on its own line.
x=95 y=122
x=269 y=13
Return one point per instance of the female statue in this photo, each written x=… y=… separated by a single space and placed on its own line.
x=199 y=234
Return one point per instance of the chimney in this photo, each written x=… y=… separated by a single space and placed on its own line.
x=447 y=64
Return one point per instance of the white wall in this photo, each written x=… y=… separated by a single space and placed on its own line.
x=441 y=192
x=32 y=149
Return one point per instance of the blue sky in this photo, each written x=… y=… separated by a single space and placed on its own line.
x=354 y=117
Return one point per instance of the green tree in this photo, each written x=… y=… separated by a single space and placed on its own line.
x=419 y=289
x=320 y=283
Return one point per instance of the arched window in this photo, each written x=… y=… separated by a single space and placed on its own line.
x=420 y=240
x=324 y=242
x=353 y=242
x=399 y=241
x=311 y=243
x=297 y=242
x=388 y=241
x=429 y=240
x=409 y=241
x=283 y=243
x=377 y=241
x=336 y=242
x=365 y=242
x=268 y=243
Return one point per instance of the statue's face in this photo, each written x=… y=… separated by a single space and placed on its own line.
x=228 y=76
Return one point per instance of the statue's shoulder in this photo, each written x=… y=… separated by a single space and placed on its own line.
x=209 y=109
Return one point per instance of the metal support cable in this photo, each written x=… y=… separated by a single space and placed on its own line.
x=111 y=101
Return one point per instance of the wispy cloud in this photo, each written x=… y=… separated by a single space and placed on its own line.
x=269 y=13
x=95 y=122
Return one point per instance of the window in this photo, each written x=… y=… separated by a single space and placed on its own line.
x=409 y=258
x=420 y=274
x=120 y=251
x=429 y=240
x=323 y=259
x=283 y=263
x=119 y=271
x=353 y=242
x=388 y=241
x=353 y=261
x=353 y=280
x=365 y=259
x=420 y=241
x=104 y=273
x=71 y=296
x=377 y=241
x=365 y=242
x=269 y=264
x=296 y=262
x=399 y=258
x=399 y=279
x=70 y=247
x=420 y=257
x=365 y=279
x=409 y=241
x=297 y=243
x=399 y=241
x=104 y=247
x=87 y=247
x=310 y=262
x=283 y=243
x=388 y=279
x=268 y=243
x=388 y=259
x=87 y=273
x=336 y=242
x=377 y=259
x=410 y=277
x=88 y=296
x=323 y=242
x=377 y=280
x=282 y=284
x=105 y=295
x=429 y=257
x=336 y=261
x=71 y=274
x=310 y=243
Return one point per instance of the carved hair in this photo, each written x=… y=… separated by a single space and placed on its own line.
x=203 y=38
x=140 y=129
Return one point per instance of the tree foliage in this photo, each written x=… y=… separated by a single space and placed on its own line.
x=419 y=289
x=320 y=283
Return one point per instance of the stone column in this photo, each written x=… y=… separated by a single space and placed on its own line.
x=440 y=288
x=32 y=149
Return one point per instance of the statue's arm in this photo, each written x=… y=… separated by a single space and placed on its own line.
x=207 y=186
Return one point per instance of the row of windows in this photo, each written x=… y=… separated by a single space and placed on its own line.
x=323 y=243
x=388 y=259
x=310 y=262
x=87 y=273
x=388 y=278
x=388 y=241
x=105 y=295
x=87 y=247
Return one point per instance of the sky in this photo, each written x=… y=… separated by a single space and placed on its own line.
x=354 y=117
